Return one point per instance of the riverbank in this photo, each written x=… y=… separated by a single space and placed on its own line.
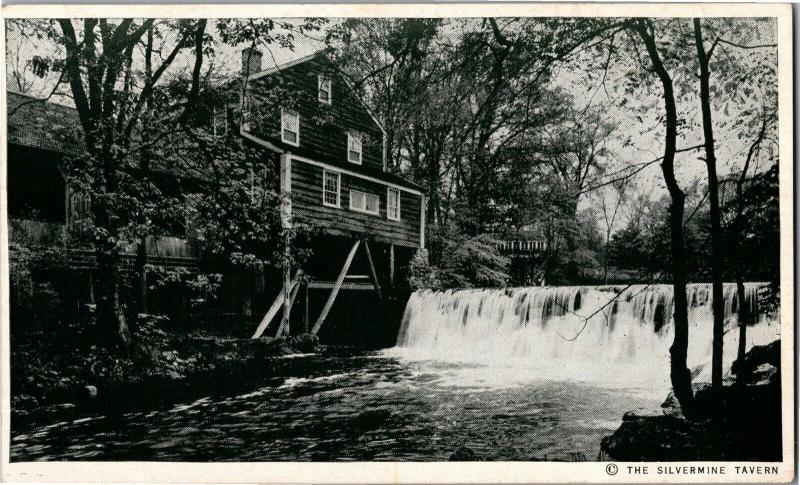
x=55 y=378
x=741 y=422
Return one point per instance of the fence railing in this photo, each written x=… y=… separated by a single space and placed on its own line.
x=36 y=233
x=520 y=246
x=161 y=250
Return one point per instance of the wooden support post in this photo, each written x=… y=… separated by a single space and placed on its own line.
x=286 y=225
x=391 y=265
x=141 y=263
x=335 y=290
x=273 y=310
x=305 y=314
x=284 y=323
x=423 y=207
x=91 y=287
x=287 y=289
x=143 y=284
x=372 y=271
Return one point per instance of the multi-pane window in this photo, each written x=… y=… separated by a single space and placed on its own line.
x=324 y=89
x=354 y=148
x=393 y=204
x=331 y=183
x=290 y=127
x=364 y=202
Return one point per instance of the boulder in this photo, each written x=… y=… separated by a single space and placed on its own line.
x=642 y=413
x=270 y=347
x=765 y=374
x=755 y=357
x=463 y=453
x=90 y=392
x=24 y=401
x=306 y=342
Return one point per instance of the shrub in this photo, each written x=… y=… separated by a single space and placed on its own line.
x=180 y=293
x=35 y=276
x=458 y=261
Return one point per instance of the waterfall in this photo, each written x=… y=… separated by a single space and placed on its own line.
x=587 y=333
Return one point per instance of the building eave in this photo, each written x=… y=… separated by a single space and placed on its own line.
x=280 y=67
x=260 y=141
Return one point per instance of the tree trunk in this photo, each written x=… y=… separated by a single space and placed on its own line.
x=716 y=229
x=679 y=373
x=744 y=319
x=141 y=272
x=109 y=307
x=605 y=257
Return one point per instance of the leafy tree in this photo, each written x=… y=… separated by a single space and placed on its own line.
x=458 y=261
x=125 y=112
x=645 y=30
x=719 y=34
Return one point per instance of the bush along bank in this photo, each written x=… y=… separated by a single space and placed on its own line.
x=55 y=378
x=741 y=423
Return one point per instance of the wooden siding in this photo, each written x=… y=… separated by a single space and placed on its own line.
x=323 y=127
x=307 y=207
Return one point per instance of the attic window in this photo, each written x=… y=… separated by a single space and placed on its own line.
x=290 y=127
x=354 y=149
x=324 y=89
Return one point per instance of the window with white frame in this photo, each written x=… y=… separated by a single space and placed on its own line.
x=364 y=202
x=331 y=185
x=324 y=93
x=393 y=204
x=290 y=127
x=354 y=147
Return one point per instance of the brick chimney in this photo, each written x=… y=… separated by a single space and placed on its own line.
x=251 y=61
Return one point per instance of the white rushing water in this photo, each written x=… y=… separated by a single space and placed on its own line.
x=609 y=335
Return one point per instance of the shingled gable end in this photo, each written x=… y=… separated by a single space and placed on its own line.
x=306 y=112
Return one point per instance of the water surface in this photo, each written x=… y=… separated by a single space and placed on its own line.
x=367 y=406
x=540 y=373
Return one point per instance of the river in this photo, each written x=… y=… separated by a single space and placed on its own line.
x=526 y=374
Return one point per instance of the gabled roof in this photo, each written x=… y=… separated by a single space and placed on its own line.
x=285 y=65
x=39 y=123
x=313 y=55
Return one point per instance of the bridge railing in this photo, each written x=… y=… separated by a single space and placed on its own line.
x=521 y=246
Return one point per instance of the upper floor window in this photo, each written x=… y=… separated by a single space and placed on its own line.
x=364 y=202
x=393 y=204
x=354 y=147
x=324 y=93
x=290 y=127
x=222 y=120
x=331 y=185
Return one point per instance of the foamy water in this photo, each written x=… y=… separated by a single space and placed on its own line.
x=614 y=336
